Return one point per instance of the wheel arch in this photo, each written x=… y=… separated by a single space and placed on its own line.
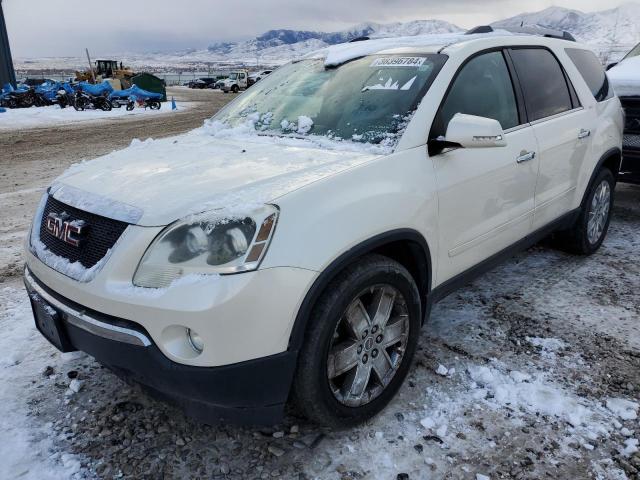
x=406 y=246
x=611 y=159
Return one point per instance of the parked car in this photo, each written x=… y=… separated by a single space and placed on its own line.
x=300 y=262
x=257 y=76
x=201 y=83
x=215 y=84
x=625 y=77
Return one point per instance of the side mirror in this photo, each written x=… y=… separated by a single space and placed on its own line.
x=611 y=65
x=470 y=131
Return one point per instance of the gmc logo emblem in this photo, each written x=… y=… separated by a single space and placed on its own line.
x=63 y=228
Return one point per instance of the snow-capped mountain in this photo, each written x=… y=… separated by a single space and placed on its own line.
x=277 y=38
x=611 y=32
x=278 y=46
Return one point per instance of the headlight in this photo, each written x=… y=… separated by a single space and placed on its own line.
x=207 y=243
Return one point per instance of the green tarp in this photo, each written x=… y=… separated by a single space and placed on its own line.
x=150 y=83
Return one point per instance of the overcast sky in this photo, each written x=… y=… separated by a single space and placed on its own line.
x=65 y=27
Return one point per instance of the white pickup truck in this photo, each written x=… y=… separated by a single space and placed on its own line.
x=238 y=80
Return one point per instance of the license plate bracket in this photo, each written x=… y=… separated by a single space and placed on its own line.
x=49 y=323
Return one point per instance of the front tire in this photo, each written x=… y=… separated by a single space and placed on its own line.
x=591 y=227
x=359 y=344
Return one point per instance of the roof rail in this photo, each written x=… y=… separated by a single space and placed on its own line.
x=531 y=30
x=359 y=39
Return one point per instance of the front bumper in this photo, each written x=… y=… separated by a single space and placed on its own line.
x=630 y=168
x=239 y=317
x=250 y=392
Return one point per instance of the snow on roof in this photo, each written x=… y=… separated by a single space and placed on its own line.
x=335 y=55
x=625 y=77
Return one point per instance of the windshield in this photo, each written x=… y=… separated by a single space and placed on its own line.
x=367 y=100
x=233 y=76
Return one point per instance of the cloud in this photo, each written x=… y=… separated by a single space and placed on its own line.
x=66 y=27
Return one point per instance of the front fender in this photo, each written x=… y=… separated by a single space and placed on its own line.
x=321 y=221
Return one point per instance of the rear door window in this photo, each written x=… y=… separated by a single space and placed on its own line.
x=591 y=70
x=543 y=82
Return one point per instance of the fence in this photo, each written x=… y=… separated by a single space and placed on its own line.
x=170 y=79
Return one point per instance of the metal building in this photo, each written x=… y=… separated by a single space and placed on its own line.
x=7 y=74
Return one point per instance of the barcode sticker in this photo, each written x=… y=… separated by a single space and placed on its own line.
x=398 y=62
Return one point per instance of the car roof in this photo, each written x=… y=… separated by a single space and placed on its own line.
x=450 y=44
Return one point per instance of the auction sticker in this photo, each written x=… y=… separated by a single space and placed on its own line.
x=398 y=62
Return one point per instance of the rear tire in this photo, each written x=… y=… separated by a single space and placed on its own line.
x=351 y=363
x=105 y=105
x=591 y=227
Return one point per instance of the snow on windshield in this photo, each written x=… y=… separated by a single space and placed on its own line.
x=369 y=100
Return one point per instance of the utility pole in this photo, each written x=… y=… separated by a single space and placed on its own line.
x=7 y=73
x=93 y=77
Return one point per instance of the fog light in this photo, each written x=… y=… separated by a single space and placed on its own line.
x=195 y=340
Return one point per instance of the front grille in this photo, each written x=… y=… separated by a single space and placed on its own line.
x=101 y=234
x=631 y=141
x=631 y=107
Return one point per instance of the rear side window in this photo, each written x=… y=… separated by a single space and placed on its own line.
x=482 y=87
x=544 y=85
x=591 y=70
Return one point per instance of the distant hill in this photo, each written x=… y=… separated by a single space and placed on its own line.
x=611 y=32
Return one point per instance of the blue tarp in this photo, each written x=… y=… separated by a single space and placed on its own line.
x=67 y=87
x=49 y=90
x=99 y=89
x=136 y=92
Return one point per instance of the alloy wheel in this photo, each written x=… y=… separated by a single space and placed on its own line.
x=368 y=345
x=599 y=212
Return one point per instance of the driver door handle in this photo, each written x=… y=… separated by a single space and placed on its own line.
x=525 y=156
x=584 y=134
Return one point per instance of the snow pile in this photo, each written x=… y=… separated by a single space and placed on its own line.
x=42 y=117
x=625 y=77
x=26 y=448
x=625 y=409
x=548 y=346
x=522 y=391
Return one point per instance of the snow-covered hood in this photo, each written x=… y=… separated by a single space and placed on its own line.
x=625 y=77
x=156 y=182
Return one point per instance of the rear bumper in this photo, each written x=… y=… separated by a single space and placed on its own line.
x=251 y=392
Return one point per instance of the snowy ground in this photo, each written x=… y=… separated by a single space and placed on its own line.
x=531 y=372
x=43 y=117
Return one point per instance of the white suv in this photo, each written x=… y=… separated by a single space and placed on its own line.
x=293 y=246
